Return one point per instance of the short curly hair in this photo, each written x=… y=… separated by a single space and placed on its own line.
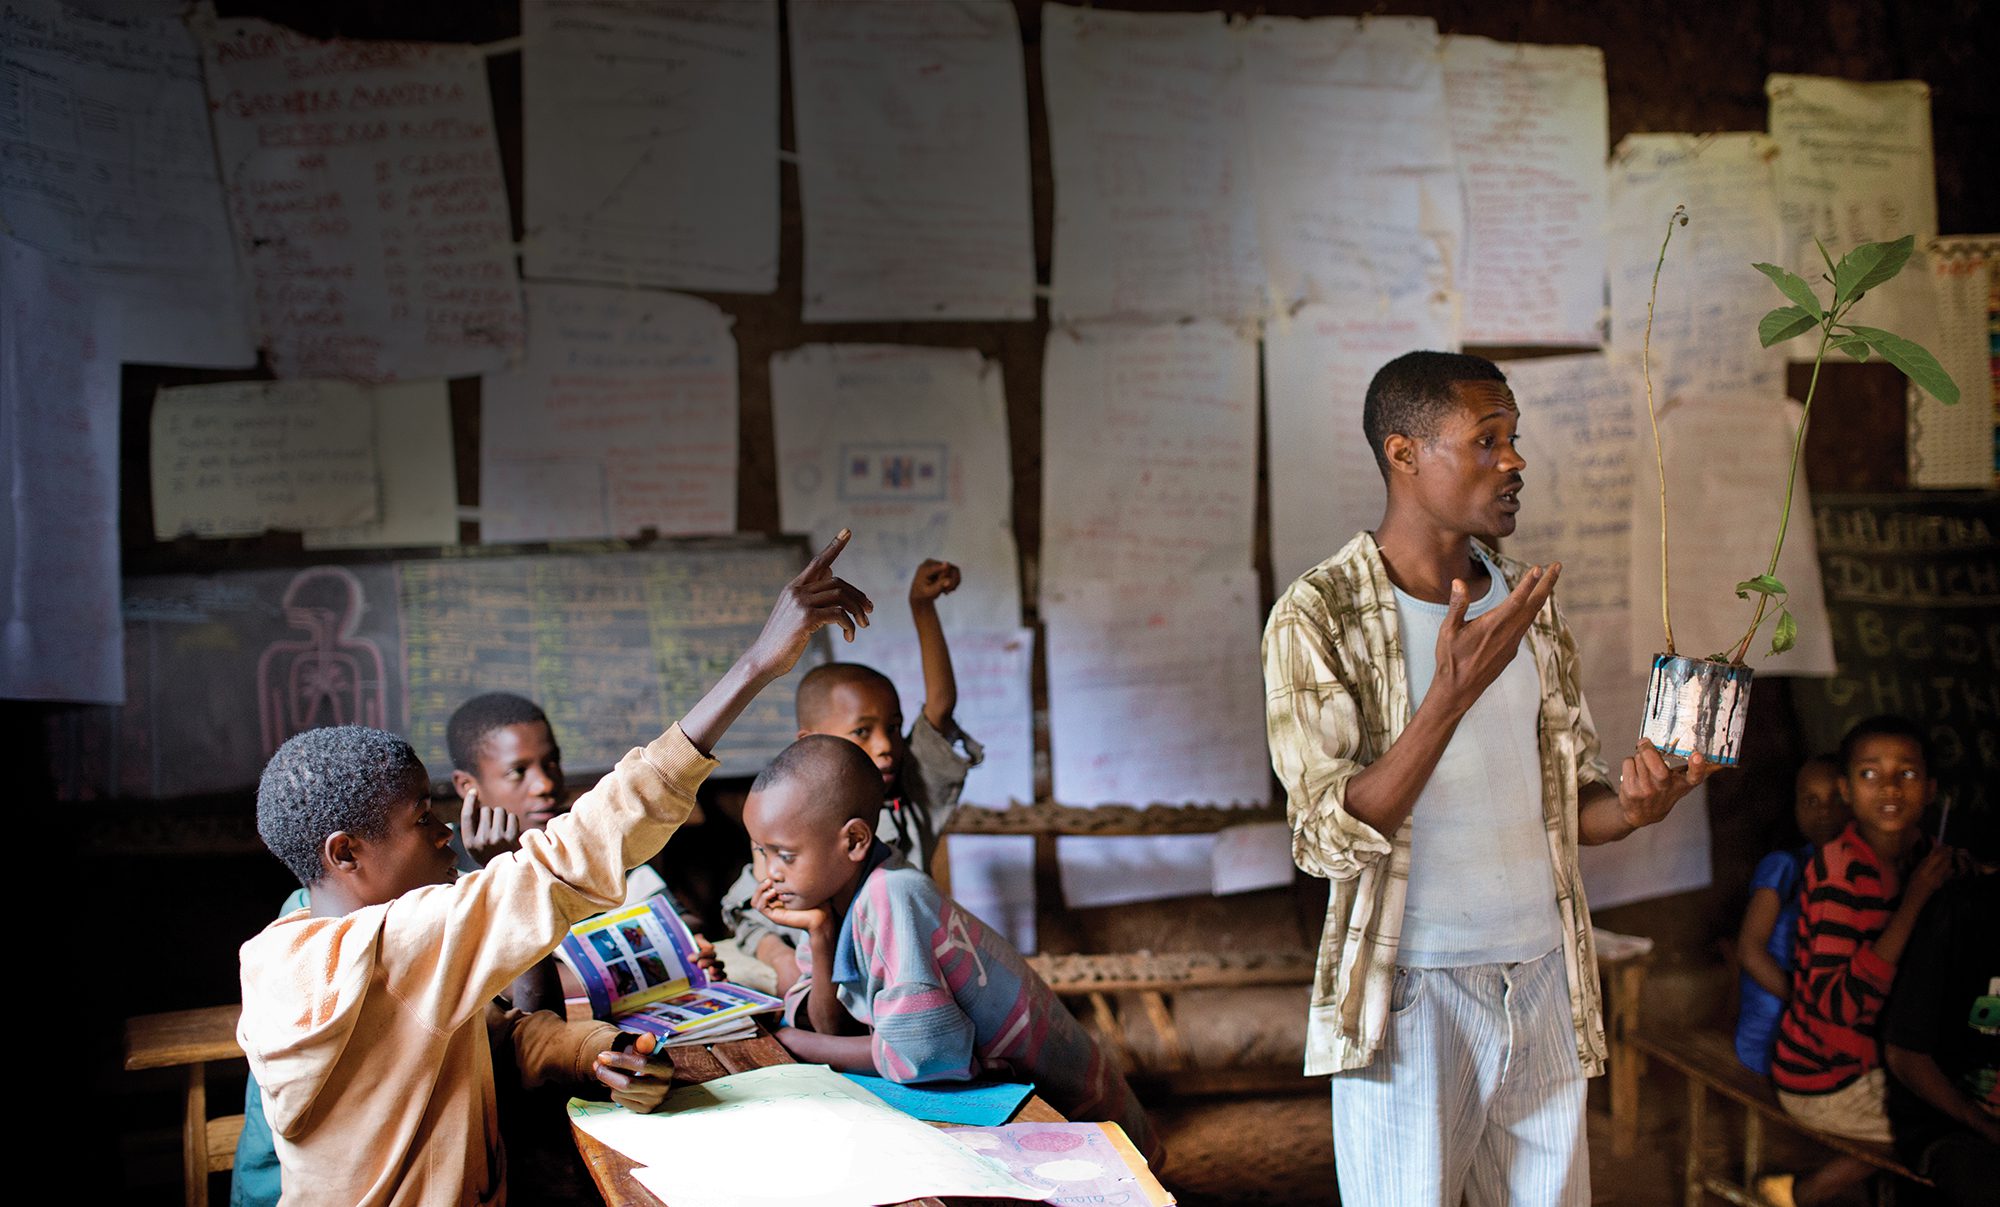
x=465 y=734
x=1411 y=392
x=817 y=685
x=344 y=777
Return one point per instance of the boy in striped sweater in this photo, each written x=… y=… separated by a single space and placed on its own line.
x=1860 y=900
x=897 y=979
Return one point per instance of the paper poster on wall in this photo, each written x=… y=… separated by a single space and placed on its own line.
x=1726 y=459
x=1252 y=857
x=61 y=635
x=1854 y=166
x=1357 y=191
x=1325 y=485
x=994 y=672
x=912 y=127
x=1710 y=298
x=1155 y=695
x=110 y=168
x=1671 y=856
x=1153 y=216
x=1149 y=453
x=1954 y=447
x=621 y=419
x=908 y=448
x=993 y=875
x=238 y=457
x=650 y=143
x=418 y=473
x=1118 y=871
x=365 y=183
x=1531 y=126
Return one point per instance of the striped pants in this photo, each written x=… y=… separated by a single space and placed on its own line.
x=1475 y=1095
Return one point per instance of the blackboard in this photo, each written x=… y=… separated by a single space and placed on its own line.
x=221 y=668
x=1913 y=595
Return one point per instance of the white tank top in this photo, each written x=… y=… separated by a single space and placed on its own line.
x=1481 y=890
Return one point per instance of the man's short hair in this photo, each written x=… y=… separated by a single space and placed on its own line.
x=465 y=735
x=816 y=687
x=1410 y=393
x=341 y=778
x=845 y=783
x=1884 y=725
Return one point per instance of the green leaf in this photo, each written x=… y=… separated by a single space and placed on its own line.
x=1917 y=365
x=1853 y=266
x=1792 y=287
x=1824 y=256
x=1763 y=584
x=1784 y=323
x=1787 y=634
x=1894 y=256
x=1853 y=345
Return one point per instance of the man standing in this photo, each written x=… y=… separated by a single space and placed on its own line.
x=1443 y=785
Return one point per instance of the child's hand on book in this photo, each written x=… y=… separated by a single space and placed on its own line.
x=934 y=578
x=706 y=960
x=765 y=901
x=637 y=1080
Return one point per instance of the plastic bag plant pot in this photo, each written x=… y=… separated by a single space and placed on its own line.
x=1697 y=706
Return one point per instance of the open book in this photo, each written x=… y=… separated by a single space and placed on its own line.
x=637 y=966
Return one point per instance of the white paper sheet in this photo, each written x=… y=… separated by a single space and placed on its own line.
x=1325 y=486
x=908 y=448
x=419 y=476
x=912 y=127
x=650 y=142
x=1118 y=871
x=110 y=166
x=993 y=669
x=1710 y=300
x=1532 y=127
x=364 y=178
x=1581 y=427
x=61 y=634
x=1952 y=447
x=623 y=418
x=1670 y=857
x=235 y=458
x=1854 y=166
x=1155 y=692
x=1726 y=460
x=697 y=1147
x=1154 y=217
x=1248 y=858
x=1357 y=191
x=1149 y=439
x=993 y=875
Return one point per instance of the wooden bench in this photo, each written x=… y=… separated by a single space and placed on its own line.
x=1707 y=1059
x=192 y=1039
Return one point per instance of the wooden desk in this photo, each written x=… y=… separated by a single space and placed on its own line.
x=612 y=1170
x=192 y=1040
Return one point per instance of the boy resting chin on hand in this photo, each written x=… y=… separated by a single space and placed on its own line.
x=897 y=979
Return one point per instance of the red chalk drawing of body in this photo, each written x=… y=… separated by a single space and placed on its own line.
x=328 y=677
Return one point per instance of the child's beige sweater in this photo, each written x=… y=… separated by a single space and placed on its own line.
x=368 y=1032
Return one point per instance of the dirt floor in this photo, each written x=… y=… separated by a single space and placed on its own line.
x=1278 y=1151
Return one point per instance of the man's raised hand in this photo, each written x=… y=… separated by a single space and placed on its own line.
x=1472 y=653
x=809 y=603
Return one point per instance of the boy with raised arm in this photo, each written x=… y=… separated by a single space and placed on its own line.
x=364 y=1015
x=897 y=979
x=922 y=772
x=1426 y=719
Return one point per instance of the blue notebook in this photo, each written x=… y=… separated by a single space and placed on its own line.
x=974 y=1103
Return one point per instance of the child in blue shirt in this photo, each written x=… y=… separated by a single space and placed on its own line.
x=1764 y=944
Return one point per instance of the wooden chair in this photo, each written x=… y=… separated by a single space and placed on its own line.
x=191 y=1039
